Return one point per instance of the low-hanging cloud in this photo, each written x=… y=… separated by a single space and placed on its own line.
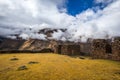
x=27 y=17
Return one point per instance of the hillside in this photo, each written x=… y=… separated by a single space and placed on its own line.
x=56 y=67
x=20 y=44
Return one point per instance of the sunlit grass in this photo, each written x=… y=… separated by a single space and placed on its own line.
x=57 y=67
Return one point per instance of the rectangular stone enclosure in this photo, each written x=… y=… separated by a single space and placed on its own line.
x=68 y=49
x=101 y=48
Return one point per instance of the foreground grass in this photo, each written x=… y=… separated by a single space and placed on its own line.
x=57 y=67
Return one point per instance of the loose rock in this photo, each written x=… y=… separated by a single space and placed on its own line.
x=33 y=62
x=14 y=59
x=22 y=68
x=81 y=57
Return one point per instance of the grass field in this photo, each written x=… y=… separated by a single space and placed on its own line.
x=57 y=67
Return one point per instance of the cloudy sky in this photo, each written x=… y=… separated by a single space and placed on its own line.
x=86 y=18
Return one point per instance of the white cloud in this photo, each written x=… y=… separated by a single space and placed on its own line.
x=104 y=1
x=24 y=36
x=98 y=25
x=18 y=17
x=58 y=35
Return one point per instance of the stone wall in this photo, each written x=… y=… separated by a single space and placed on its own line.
x=100 y=48
x=71 y=48
x=85 y=49
x=68 y=49
x=106 y=49
x=116 y=49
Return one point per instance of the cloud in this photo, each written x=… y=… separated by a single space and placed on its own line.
x=31 y=12
x=103 y=3
x=97 y=24
x=27 y=13
x=27 y=17
x=57 y=35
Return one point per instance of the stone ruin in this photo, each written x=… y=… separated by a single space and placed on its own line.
x=97 y=48
x=85 y=48
x=106 y=49
x=35 y=45
x=116 y=49
x=100 y=48
x=67 y=49
x=71 y=48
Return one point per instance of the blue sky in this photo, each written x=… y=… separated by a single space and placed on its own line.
x=77 y=6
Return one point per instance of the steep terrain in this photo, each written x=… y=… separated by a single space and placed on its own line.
x=11 y=44
x=34 y=44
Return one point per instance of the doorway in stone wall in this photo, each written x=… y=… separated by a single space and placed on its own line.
x=108 y=48
x=59 y=49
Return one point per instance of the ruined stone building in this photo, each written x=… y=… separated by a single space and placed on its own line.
x=85 y=48
x=71 y=48
x=100 y=48
x=116 y=49
x=67 y=48
x=97 y=48
x=106 y=49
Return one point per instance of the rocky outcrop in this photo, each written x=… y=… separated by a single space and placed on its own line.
x=11 y=44
x=34 y=44
x=31 y=45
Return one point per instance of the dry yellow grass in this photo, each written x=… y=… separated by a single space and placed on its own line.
x=57 y=67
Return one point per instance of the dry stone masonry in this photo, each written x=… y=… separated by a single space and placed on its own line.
x=96 y=48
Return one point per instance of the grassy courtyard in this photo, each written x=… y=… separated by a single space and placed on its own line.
x=56 y=67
